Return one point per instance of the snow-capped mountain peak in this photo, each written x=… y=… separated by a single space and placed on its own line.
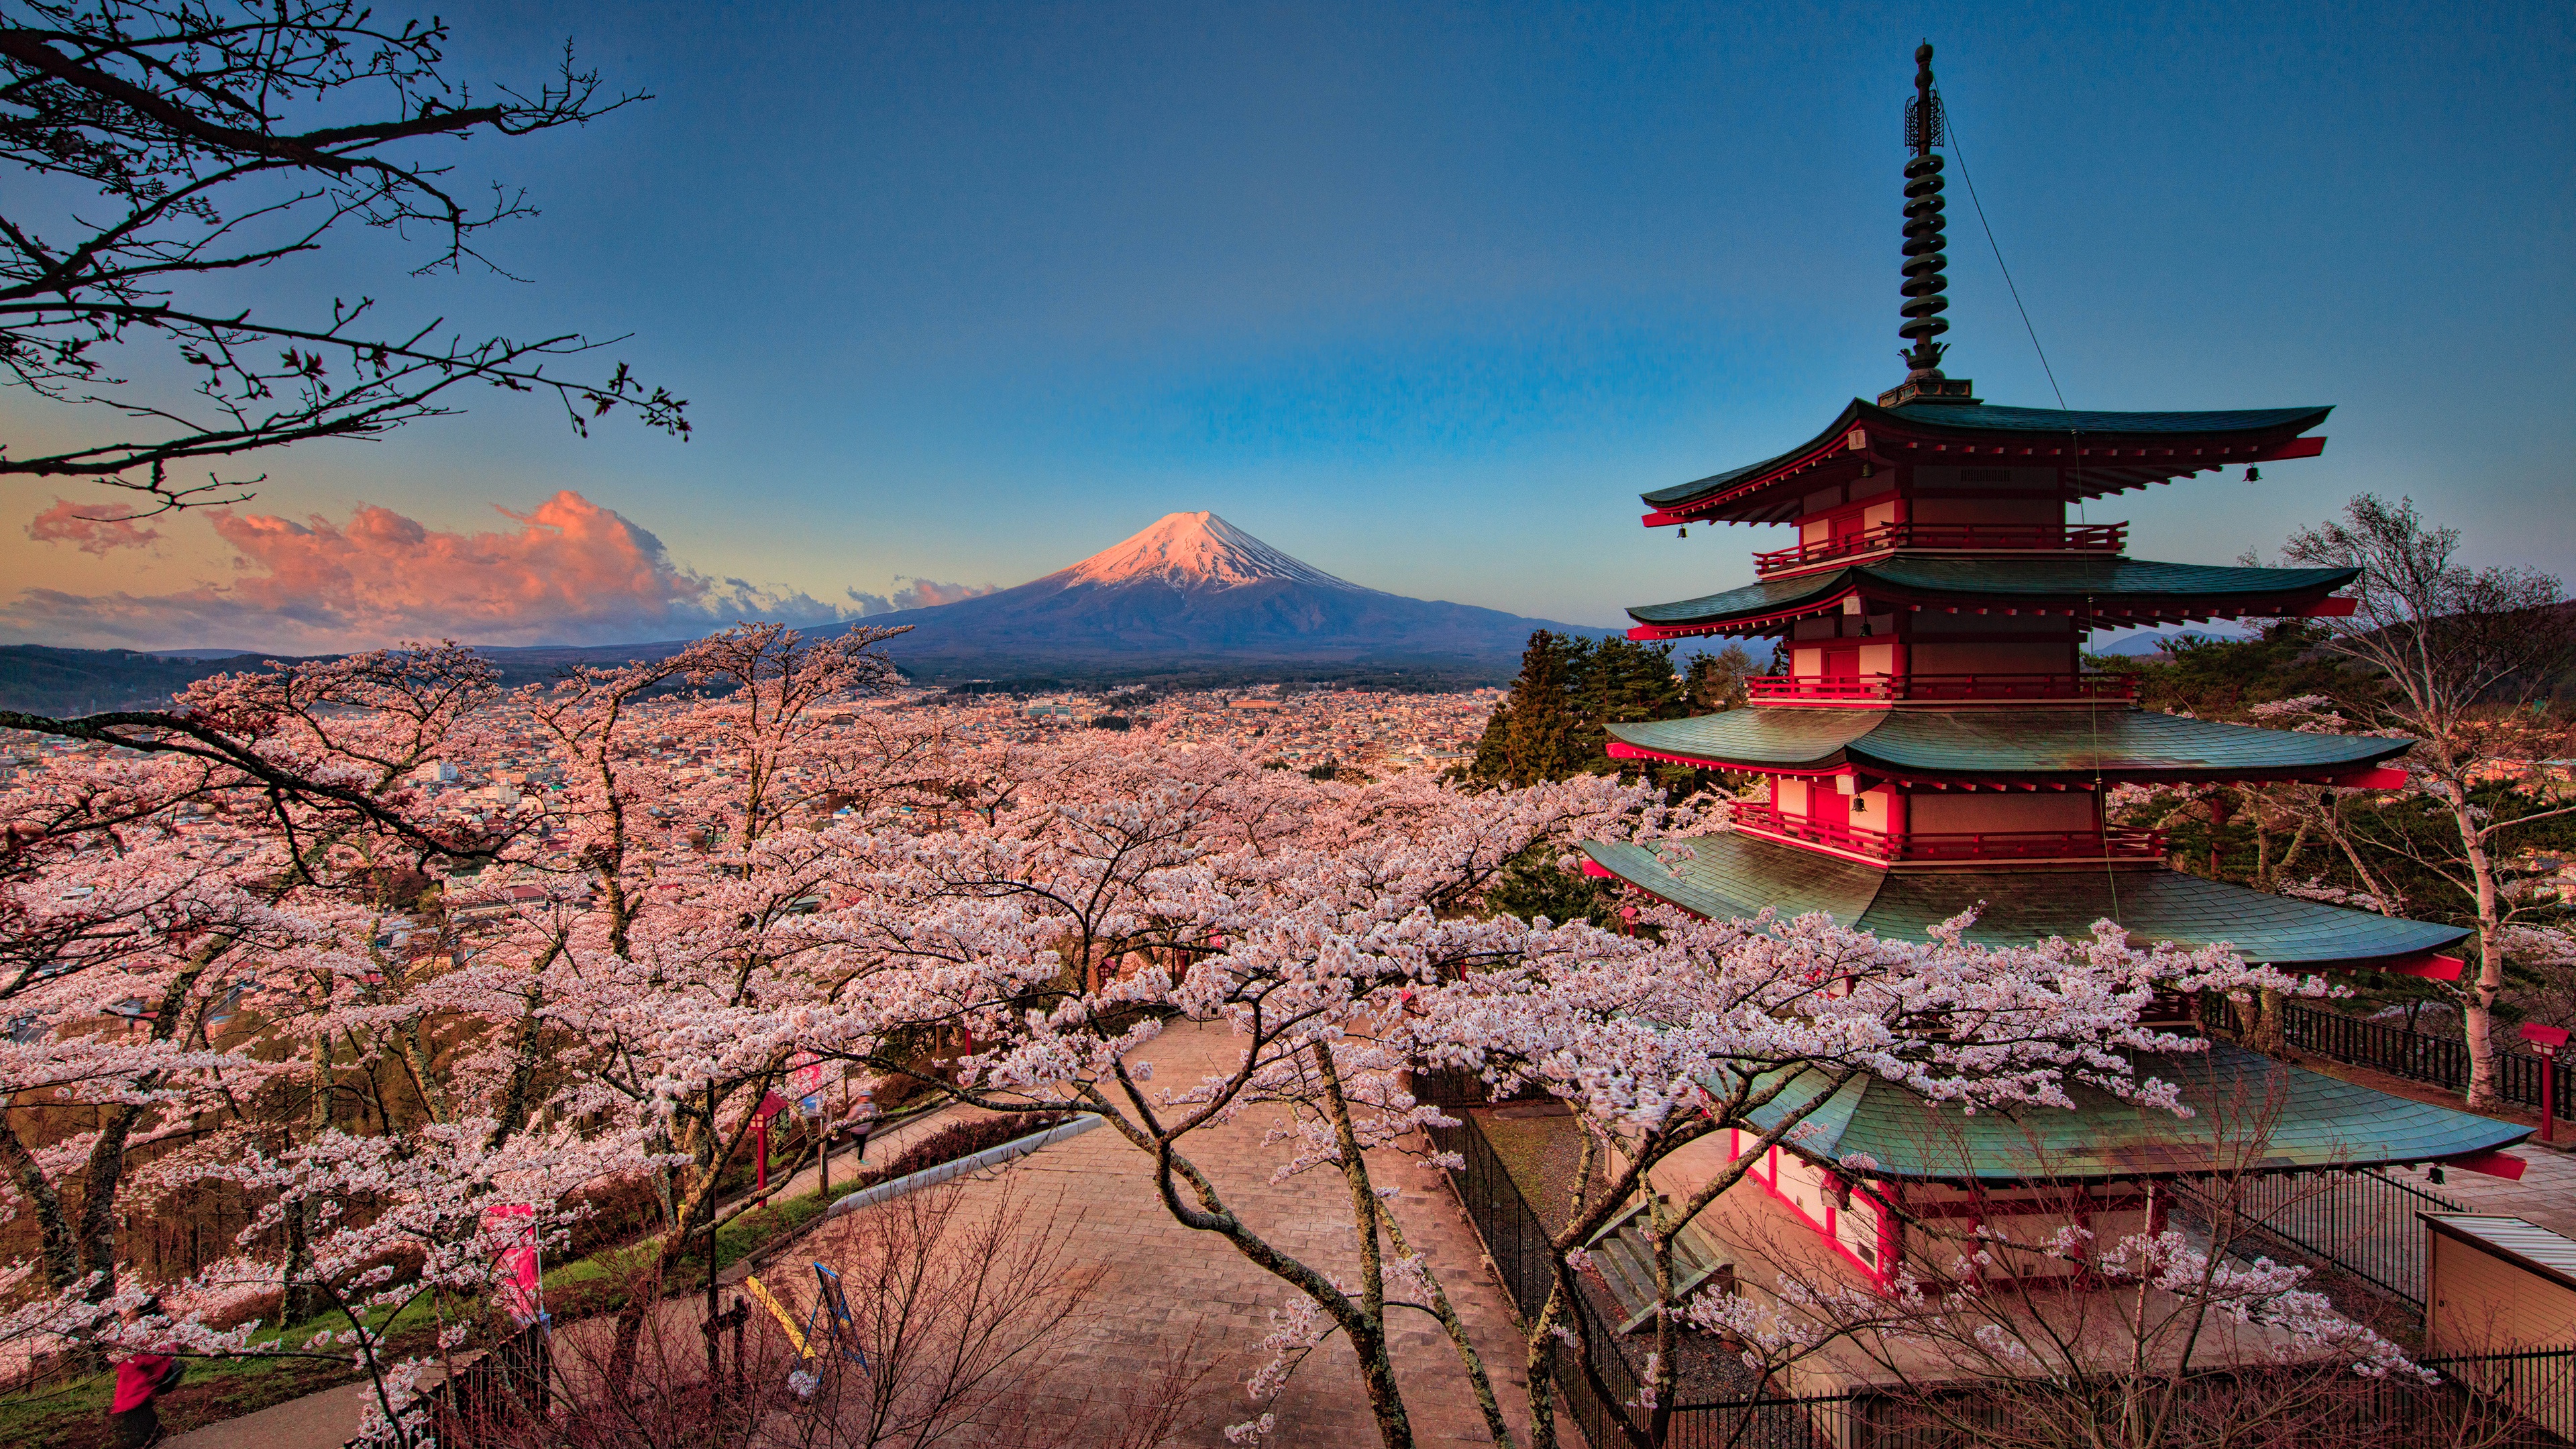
x=1196 y=550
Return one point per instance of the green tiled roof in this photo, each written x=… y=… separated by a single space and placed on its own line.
x=1996 y=418
x=1956 y=420
x=2109 y=584
x=1731 y=875
x=2318 y=1122
x=2118 y=743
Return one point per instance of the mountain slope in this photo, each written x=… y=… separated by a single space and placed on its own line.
x=1194 y=590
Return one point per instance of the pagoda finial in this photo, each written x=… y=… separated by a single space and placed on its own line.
x=1925 y=285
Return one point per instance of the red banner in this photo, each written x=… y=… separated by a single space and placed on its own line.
x=516 y=1267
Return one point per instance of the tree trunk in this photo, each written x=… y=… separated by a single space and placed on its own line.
x=1368 y=1332
x=1456 y=1328
x=94 y=1234
x=1663 y=1381
x=2268 y=1035
x=300 y=1301
x=2478 y=1019
x=515 y=1106
x=2217 y=823
x=1541 y=1368
x=699 y=1201
x=54 y=1231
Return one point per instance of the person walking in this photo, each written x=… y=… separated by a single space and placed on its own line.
x=863 y=1120
x=140 y=1379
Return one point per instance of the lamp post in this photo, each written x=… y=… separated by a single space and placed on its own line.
x=2547 y=1040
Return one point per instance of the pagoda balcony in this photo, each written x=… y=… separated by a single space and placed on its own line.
x=1921 y=847
x=1874 y=689
x=1963 y=537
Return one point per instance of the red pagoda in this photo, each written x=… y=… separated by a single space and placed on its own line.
x=1936 y=746
x=1937 y=742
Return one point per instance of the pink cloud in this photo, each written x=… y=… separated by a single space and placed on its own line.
x=930 y=593
x=570 y=571
x=917 y=593
x=96 y=531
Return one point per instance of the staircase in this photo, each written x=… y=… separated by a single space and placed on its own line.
x=1625 y=1256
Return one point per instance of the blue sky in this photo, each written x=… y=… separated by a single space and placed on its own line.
x=1426 y=294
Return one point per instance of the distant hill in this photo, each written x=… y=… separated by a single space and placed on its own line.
x=67 y=682
x=62 y=682
x=2138 y=646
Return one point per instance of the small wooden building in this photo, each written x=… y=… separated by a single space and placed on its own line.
x=2497 y=1284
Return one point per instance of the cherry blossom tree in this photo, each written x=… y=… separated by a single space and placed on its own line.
x=1694 y=1028
x=1108 y=885
x=261 y=952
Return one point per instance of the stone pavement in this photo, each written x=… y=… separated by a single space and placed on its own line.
x=1169 y=1290
x=2546 y=1195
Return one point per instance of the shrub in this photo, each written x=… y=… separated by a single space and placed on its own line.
x=961 y=1139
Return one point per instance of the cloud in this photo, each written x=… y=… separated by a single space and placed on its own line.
x=97 y=532
x=918 y=593
x=930 y=593
x=570 y=572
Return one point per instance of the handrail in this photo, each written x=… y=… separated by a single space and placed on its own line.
x=1875 y=687
x=2119 y=843
x=2085 y=538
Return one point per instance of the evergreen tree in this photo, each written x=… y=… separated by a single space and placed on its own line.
x=1540 y=736
x=1715 y=682
x=1554 y=724
x=1620 y=681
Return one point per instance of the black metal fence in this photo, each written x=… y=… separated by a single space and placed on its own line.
x=2359 y=1223
x=489 y=1398
x=1524 y=1257
x=2494 y=1401
x=2439 y=1060
x=2538 y=1388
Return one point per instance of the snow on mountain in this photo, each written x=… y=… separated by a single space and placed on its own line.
x=1194 y=550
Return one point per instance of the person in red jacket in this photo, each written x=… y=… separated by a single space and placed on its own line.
x=139 y=1380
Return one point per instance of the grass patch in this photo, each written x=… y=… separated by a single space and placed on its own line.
x=73 y=1413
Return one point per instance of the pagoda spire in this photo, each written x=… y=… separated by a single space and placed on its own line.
x=1925 y=286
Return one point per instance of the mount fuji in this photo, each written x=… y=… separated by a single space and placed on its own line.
x=1192 y=594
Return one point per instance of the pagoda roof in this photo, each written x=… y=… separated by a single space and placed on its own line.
x=1967 y=746
x=2313 y=1122
x=1729 y=876
x=2124 y=590
x=2115 y=451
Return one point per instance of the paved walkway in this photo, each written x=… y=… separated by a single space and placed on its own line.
x=1169 y=1289
x=1165 y=1290
x=2546 y=1194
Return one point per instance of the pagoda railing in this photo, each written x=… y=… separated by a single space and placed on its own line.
x=2061 y=538
x=1888 y=688
x=1954 y=845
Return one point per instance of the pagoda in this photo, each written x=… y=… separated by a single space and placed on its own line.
x=1936 y=747
x=1936 y=744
